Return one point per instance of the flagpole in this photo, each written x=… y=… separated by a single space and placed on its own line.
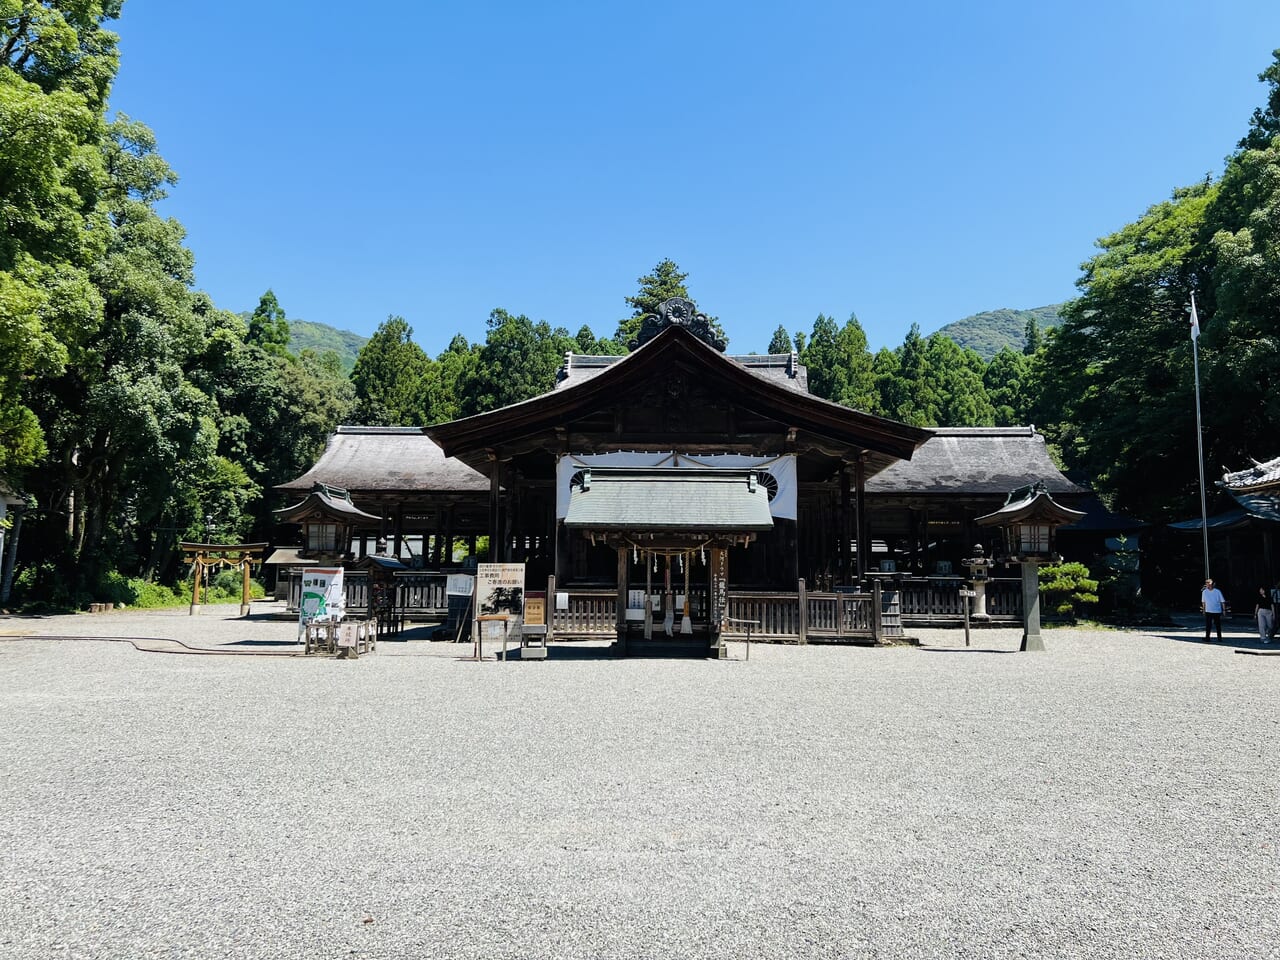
x=1195 y=354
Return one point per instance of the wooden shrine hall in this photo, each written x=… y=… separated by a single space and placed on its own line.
x=722 y=472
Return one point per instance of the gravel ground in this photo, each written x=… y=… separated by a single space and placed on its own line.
x=1116 y=796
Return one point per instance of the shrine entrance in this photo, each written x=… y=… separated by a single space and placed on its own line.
x=671 y=530
x=212 y=556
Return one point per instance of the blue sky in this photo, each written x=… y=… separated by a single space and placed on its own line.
x=910 y=162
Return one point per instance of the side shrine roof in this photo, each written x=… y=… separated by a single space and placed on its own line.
x=1260 y=476
x=784 y=369
x=328 y=500
x=387 y=458
x=974 y=460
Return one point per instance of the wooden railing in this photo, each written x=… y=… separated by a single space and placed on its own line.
x=783 y=616
x=591 y=613
x=778 y=614
x=926 y=599
x=419 y=593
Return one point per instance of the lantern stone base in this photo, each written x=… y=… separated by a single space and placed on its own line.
x=1031 y=640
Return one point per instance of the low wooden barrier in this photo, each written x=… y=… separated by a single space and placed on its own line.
x=933 y=599
x=419 y=593
x=346 y=638
x=591 y=613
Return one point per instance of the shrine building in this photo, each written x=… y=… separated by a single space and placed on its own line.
x=675 y=470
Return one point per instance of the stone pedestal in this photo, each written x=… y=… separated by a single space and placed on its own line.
x=1031 y=639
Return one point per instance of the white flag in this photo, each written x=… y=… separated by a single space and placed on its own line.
x=1195 y=320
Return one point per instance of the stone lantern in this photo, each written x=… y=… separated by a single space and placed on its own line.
x=979 y=572
x=1027 y=522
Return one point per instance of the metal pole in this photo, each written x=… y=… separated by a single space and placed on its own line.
x=1204 y=513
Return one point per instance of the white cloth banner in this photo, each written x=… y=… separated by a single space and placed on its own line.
x=782 y=469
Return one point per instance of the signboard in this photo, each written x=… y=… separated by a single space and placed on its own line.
x=323 y=595
x=460 y=585
x=500 y=588
x=535 y=608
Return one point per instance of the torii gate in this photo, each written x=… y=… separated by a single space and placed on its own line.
x=204 y=555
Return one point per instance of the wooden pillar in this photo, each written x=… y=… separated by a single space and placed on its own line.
x=399 y=530
x=621 y=625
x=446 y=546
x=877 y=612
x=803 y=596
x=717 y=592
x=842 y=525
x=562 y=552
x=513 y=538
x=244 y=587
x=863 y=529
x=436 y=546
x=495 y=533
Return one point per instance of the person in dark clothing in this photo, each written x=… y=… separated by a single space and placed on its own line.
x=1264 y=612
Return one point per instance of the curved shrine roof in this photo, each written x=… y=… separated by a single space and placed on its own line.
x=884 y=440
x=974 y=460
x=398 y=459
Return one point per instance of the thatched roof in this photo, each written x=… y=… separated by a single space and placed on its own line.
x=405 y=459
x=974 y=460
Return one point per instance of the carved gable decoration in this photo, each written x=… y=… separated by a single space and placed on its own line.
x=678 y=312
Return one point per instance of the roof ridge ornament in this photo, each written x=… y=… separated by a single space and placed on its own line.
x=678 y=312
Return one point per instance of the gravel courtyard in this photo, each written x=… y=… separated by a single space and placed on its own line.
x=1117 y=796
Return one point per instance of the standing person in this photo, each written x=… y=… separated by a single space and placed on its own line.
x=1264 y=610
x=1211 y=604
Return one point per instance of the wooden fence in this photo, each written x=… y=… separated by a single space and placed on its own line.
x=934 y=599
x=418 y=593
x=795 y=617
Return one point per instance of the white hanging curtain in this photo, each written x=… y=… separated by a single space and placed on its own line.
x=782 y=469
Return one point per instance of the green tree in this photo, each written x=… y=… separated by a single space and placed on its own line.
x=909 y=394
x=519 y=360
x=1068 y=588
x=1117 y=375
x=1009 y=382
x=1264 y=125
x=129 y=433
x=781 y=341
x=57 y=62
x=457 y=367
x=392 y=378
x=268 y=325
x=666 y=281
x=1033 y=339
x=954 y=378
x=840 y=365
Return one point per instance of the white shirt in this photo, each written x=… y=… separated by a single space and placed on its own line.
x=1212 y=600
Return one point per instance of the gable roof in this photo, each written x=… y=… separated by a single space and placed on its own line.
x=884 y=440
x=784 y=369
x=364 y=459
x=974 y=460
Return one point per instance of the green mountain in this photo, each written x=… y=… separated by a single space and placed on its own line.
x=990 y=330
x=305 y=335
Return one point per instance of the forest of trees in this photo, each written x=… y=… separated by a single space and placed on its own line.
x=135 y=413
